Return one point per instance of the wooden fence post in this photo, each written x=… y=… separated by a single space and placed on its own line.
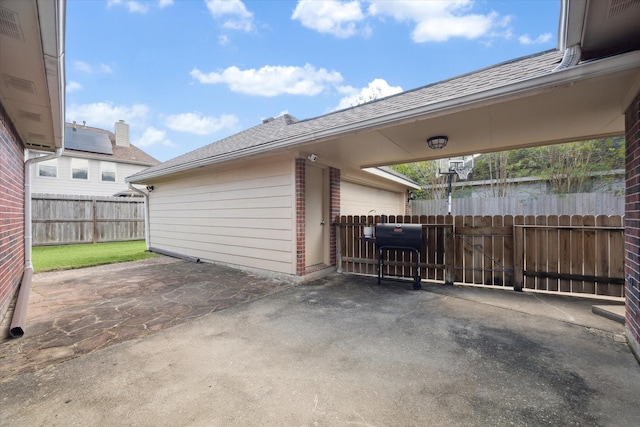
x=449 y=261
x=95 y=221
x=518 y=253
x=338 y=246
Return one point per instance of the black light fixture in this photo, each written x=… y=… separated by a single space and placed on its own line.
x=437 y=142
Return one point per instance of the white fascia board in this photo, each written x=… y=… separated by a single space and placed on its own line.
x=544 y=83
x=51 y=21
x=386 y=175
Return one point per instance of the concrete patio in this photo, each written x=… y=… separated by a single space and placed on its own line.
x=165 y=341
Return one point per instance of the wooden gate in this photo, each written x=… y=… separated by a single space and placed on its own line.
x=564 y=254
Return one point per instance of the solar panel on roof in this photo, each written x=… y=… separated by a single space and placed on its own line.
x=89 y=141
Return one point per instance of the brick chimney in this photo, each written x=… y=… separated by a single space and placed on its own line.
x=122 y=134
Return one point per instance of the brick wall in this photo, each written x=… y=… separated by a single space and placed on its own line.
x=11 y=212
x=334 y=211
x=632 y=225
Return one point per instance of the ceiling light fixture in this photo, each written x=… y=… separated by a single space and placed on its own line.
x=437 y=142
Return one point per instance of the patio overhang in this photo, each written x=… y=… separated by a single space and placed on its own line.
x=584 y=102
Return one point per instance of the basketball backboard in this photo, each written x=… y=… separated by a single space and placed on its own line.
x=460 y=165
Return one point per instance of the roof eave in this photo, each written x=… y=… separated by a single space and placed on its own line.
x=546 y=82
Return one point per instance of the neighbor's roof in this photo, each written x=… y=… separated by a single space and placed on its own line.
x=286 y=131
x=130 y=154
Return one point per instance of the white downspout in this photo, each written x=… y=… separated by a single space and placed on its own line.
x=56 y=85
x=146 y=212
x=20 y=311
x=571 y=57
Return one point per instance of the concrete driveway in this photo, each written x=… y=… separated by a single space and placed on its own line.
x=345 y=351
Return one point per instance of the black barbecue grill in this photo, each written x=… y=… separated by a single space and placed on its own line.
x=399 y=237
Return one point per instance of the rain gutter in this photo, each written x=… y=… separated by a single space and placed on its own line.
x=53 y=57
x=541 y=84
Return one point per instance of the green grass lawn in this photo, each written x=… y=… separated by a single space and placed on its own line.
x=65 y=257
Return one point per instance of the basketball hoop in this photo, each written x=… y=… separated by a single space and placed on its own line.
x=462 y=172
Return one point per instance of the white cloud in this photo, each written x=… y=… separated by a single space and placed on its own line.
x=73 y=86
x=104 y=114
x=376 y=89
x=132 y=5
x=272 y=80
x=138 y=6
x=85 y=67
x=198 y=124
x=235 y=13
x=433 y=21
x=437 y=21
x=82 y=67
x=152 y=136
x=542 y=38
x=223 y=40
x=330 y=17
x=105 y=68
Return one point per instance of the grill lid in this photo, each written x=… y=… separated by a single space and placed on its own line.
x=399 y=235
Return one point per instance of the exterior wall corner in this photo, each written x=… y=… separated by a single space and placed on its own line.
x=632 y=225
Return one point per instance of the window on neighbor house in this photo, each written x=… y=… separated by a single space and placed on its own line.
x=107 y=172
x=80 y=169
x=48 y=169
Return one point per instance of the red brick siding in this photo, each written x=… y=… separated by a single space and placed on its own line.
x=11 y=211
x=334 y=210
x=632 y=222
x=300 y=217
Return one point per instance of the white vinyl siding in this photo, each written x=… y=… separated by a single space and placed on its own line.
x=93 y=186
x=241 y=216
x=356 y=199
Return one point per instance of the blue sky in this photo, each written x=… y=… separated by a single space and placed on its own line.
x=185 y=73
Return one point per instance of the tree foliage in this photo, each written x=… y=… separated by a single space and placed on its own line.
x=424 y=173
x=567 y=168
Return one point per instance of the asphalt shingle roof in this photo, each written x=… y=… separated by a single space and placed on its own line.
x=277 y=131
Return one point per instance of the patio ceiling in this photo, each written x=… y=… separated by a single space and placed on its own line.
x=32 y=70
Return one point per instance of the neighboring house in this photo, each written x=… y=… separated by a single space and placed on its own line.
x=257 y=200
x=32 y=77
x=95 y=162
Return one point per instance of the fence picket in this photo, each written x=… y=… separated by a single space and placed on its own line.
x=589 y=253
x=577 y=254
x=552 y=254
x=564 y=249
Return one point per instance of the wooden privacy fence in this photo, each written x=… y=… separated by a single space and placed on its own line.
x=566 y=254
x=60 y=220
